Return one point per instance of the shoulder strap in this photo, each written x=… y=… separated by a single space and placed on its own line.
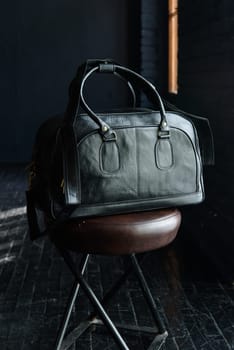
x=204 y=133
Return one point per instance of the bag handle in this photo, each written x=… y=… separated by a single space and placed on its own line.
x=129 y=75
x=131 y=88
x=72 y=110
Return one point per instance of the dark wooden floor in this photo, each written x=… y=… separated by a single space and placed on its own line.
x=197 y=308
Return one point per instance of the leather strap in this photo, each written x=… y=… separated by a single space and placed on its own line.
x=72 y=110
x=202 y=124
x=134 y=77
x=204 y=132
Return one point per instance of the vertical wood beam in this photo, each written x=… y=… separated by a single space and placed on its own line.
x=173 y=46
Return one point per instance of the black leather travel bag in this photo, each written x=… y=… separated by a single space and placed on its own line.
x=125 y=161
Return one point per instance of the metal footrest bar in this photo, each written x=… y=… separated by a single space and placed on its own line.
x=133 y=328
x=75 y=334
x=79 y=330
x=158 y=341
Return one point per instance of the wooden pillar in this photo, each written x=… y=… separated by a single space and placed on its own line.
x=173 y=46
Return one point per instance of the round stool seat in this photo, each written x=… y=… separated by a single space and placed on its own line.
x=119 y=234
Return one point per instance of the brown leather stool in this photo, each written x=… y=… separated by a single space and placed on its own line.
x=125 y=234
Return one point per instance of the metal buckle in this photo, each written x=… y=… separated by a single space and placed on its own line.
x=164 y=134
x=110 y=135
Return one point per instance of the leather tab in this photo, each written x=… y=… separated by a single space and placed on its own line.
x=106 y=68
x=164 y=154
x=109 y=157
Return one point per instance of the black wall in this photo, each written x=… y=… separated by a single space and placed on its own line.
x=206 y=66
x=153 y=43
x=41 y=45
x=206 y=87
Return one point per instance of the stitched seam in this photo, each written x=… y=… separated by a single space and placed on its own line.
x=141 y=200
x=142 y=223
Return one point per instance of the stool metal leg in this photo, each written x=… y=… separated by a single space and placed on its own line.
x=64 y=344
x=148 y=295
x=95 y=302
x=70 y=304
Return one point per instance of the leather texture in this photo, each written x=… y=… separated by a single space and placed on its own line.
x=128 y=161
x=119 y=234
x=131 y=160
